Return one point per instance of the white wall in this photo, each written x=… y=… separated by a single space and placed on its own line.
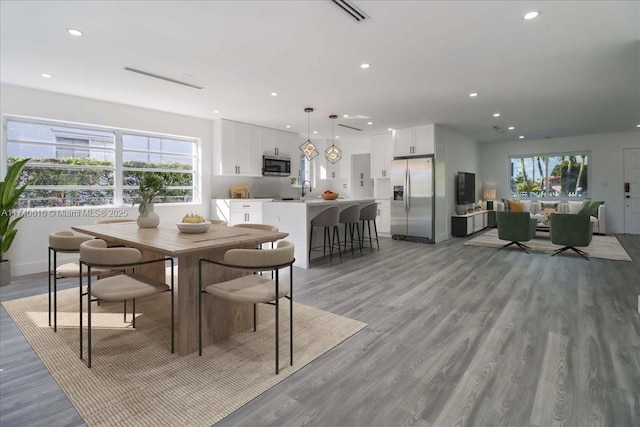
x=605 y=166
x=29 y=251
x=454 y=152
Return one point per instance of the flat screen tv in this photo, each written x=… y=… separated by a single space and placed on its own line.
x=466 y=188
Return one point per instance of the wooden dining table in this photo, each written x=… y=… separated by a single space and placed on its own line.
x=221 y=318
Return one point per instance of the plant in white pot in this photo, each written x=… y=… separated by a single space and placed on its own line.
x=151 y=186
x=10 y=192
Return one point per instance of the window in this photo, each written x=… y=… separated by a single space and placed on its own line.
x=96 y=166
x=544 y=175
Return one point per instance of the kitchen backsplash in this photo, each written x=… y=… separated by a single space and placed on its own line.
x=273 y=187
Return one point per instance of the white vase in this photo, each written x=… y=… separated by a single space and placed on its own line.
x=150 y=219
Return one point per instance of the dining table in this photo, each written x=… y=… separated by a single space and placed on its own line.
x=221 y=318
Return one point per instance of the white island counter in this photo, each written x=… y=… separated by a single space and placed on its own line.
x=294 y=217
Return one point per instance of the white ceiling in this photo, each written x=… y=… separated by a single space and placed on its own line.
x=574 y=70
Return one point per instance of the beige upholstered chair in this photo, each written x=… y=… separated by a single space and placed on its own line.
x=350 y=217
x=252 y=288
x=329 y=219
x=265 y=227
x=63 y=242
x=95 y=253
x=368 y=214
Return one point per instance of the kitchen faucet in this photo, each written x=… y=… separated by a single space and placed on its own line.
x=303 y=183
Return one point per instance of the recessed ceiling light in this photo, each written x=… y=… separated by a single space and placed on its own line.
x=315 y=131
x=216 y=112
x=521 y=137
x=74 y=32
x=345 y=115
x=365 y=65
x=638 y=126
x=274 y=93
x=337 y=136
x=511 y=127
x=46 y=76
x=531 y=15
x=369 y=123
x=389 y=129
x=288 y=126
x=496 y=114
x=473 y=94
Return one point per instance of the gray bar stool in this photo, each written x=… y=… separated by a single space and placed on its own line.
x=327 y=218
x=368 y=213
x=350 y=217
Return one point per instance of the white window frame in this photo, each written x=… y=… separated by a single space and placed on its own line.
x=118 y=167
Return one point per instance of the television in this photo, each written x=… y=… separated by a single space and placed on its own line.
x=466 y=188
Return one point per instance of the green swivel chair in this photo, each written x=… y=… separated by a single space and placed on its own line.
x=517 y=227
x=571 y=231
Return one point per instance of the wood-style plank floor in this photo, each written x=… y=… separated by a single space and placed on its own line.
x=458 y=335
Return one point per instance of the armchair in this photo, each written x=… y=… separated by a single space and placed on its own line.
x=571 y=231
x=516 y=227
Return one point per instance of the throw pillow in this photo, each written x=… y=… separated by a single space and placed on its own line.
x=549 y=205
x=548 y=211
x=590 y=208
x=575 y=207
x=507 y=204
x=516 y=206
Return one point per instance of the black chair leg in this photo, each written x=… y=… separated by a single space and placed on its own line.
x=520 y=245
x=583 y=254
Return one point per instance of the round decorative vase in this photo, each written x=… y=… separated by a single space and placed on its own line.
x=461 y=209
x=150 y=219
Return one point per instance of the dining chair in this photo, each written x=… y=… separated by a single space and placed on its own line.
x=265 y=227
x=95 y=253
x=64 y=242
x=252 y=288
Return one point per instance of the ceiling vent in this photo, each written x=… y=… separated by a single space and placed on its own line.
x=353 y=11
x=499 y=129
x=349 y=127
x=167 y=79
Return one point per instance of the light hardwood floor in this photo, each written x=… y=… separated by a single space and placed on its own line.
x=457 y=335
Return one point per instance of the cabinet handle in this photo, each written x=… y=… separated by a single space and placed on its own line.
x=276 y=151
x=378 y=211
x=361 y=175
x=361 y=183
x=333 y=174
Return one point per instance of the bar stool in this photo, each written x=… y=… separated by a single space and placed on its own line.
x=64 y=242
x=368 y=213
x=350 y=217
x=327 y=218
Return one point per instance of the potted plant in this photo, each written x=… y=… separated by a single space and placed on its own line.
x=10 y=192
x=151 y=186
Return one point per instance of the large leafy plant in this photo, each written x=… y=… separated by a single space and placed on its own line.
x=151 y=186
x=9 y=194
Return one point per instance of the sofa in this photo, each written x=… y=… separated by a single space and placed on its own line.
x=537 y=209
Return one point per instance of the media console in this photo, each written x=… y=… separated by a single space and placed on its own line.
x=469 y=223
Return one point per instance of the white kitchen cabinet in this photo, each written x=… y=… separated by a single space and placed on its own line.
x=277 y=143
x=237 y=211
x=324 y=169
x=236 y=149
x=415 y=141
x=383 y=217
x=381 y=155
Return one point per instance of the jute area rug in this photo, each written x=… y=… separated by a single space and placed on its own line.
x=607 y=247
x=136 y=381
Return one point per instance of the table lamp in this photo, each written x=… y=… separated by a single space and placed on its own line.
x=489 y=194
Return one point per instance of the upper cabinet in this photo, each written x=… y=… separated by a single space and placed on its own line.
x=324 y=169
x=416 y=141
x=238 y=148
x=381 y=155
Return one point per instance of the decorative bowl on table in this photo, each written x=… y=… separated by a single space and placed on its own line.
x=192 y=228
x=329 y=196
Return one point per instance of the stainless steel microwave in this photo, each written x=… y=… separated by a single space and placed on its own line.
x=276 y=166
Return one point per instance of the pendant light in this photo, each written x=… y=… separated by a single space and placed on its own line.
x=333 y=153
x=308 y=148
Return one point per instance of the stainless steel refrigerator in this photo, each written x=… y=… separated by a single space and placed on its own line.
x=412 y=200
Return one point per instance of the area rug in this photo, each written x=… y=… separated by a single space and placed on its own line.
x=607 y=247
x=134 y=378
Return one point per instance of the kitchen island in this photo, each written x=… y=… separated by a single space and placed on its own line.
x=294 y=217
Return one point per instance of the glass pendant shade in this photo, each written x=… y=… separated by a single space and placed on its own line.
x=308 y=148
x=333 y=153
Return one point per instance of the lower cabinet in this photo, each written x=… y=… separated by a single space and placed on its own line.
x=383 y=218
x=463 y=225
x=236 y=211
